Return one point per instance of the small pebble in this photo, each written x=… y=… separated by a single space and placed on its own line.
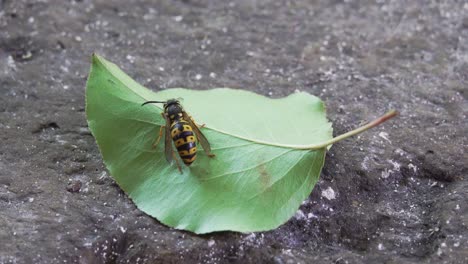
x=74 y=186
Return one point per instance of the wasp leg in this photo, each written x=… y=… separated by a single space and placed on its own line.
x=177 y=161
x=199 y=126
x=209 y=154
x=156 y=142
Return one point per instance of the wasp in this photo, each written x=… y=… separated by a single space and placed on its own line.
x=181 y=128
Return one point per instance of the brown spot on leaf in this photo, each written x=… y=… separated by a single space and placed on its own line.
x=265 y=177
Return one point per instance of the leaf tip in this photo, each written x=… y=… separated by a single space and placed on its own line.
x=95 y=57
x=390 y=114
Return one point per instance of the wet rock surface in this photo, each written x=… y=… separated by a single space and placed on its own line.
x=396 y=194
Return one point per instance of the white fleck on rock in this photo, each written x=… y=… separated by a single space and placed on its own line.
x=311 y=215
x=178 y=18
x=414 y=168
x=64 y=69
x=457 y=207
x=198 y=77
x=11 y=62
x=103 y=175
x=31 y=199
x=250 y=237
x=396 y=165
x=130 y=58
x=384 y=135
x=364 y=163
x=380 y=246
x=211 y=242
x=122 y=229
x=78 y=38
x=299 y=215
x=161 y=69
x=329 y=193
x=250 y=53
x=212 y=75
x=386 y=173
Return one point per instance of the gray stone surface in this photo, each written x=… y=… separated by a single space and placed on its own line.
x=400 y=189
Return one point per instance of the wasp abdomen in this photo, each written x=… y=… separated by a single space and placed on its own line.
x=184 y=140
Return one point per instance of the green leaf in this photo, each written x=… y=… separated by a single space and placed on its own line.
x=265 y=165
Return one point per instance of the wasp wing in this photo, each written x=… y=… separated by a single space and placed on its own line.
x=167 y=140
x=201 y=138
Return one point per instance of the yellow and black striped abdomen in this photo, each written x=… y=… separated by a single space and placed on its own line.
x=184 y=140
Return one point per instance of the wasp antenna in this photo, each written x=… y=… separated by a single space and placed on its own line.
x=153 y=102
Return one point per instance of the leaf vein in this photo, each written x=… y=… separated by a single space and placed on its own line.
x=250 y=168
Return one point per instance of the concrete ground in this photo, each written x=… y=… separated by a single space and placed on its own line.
x=401 y=189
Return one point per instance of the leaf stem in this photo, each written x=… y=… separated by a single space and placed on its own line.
x=356 y=131
x=376 y=122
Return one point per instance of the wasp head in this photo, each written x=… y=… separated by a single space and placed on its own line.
x=172 y=107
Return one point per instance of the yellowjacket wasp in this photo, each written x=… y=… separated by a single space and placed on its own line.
x=182 y=129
